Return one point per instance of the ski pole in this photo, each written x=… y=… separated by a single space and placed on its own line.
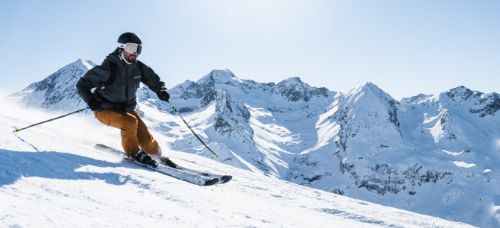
x=192 y=131
x=55 y=118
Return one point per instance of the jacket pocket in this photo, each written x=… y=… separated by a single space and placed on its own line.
x=136 y=81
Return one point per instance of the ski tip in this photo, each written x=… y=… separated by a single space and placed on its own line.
x=211 y=182
x=98 y=145
x=225 y=179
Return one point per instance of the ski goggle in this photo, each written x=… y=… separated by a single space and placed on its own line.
x=131 y=47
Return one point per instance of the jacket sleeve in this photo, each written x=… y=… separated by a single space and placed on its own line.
x=93 y=78
x=152 y=80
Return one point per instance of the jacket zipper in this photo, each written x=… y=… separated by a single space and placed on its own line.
x=126 y=83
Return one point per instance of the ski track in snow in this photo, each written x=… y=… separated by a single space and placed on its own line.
x=50 y=176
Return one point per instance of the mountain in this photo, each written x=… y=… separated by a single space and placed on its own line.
x=362 y=144
x=228 y=108
x=57 y=91
x=51 y=176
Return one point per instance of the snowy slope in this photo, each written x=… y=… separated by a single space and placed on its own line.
x=364 y=144
x=50 y=176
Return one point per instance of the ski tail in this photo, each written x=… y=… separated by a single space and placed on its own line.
x=222 y=178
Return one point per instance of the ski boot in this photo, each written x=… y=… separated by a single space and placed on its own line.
x=144 y=158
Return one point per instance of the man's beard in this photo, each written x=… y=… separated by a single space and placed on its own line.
x=131 y=58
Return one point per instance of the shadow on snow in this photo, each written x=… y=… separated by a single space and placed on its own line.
x=54 y=165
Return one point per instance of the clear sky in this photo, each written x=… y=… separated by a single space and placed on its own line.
x=405 y=47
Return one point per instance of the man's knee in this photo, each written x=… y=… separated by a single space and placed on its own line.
x=103 y=117
x=130 y=121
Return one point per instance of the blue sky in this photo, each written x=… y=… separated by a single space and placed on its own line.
x=405 y=47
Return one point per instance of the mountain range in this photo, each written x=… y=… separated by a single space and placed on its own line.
x=53 y=176
x=431 y=154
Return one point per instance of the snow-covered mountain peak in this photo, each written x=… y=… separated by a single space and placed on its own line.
x=203 y=92
x=462 y=93
x=462 y=98
x=369 y=97
x=71 y=70
x=370 y=85
x=79 y=64
x=418 y=99
x=86 y=63
x=370 y=112
x=57 y=91
x=292 y=81
x=65 y=74
x=294 y=90
x=217 y=76
x=369 y=89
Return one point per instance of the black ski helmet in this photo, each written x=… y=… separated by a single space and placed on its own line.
x=129 y=37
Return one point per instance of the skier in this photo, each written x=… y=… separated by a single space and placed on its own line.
x=113 y=101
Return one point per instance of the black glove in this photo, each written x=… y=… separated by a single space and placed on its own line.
x=163 y=95
x=95 y=105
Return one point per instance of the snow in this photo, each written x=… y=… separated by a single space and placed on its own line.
x=453 y=153
x=363 y=144
x=464 y=164
x=50 y=176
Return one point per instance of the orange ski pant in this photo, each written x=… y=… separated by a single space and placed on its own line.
x=134 y=132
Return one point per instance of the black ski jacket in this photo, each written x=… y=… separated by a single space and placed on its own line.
x=117 y=90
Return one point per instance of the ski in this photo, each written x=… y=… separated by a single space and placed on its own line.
x=191 y=177
x=222 y=178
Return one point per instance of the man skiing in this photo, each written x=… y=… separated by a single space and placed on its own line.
x=113 y=101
